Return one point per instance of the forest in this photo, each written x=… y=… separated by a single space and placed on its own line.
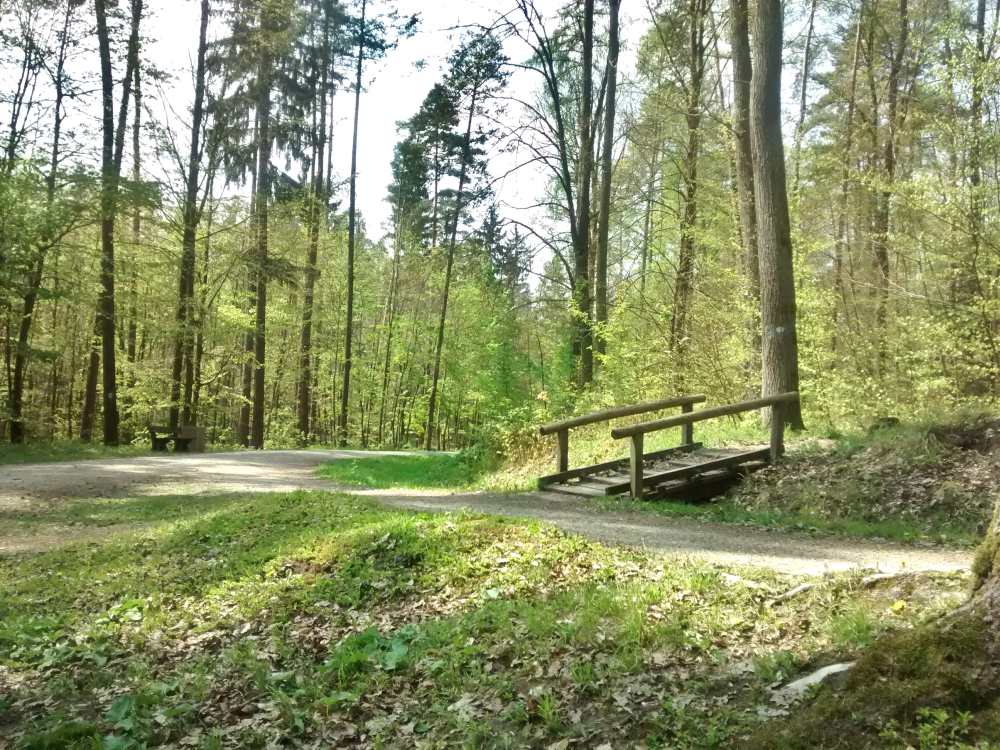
x=362 y=264
x=210 y=265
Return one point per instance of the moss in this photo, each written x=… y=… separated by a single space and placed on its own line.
x=986 y=558
x=933 y=666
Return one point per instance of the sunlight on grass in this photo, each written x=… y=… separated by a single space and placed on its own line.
x=417 y=471
x=70 y=450
x=239 y=621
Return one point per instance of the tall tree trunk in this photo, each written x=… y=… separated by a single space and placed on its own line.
x=684 y=281
x=133 y=274
x=264 y=139
x=352 y=229
x=47 y=241
x=840 y=246
x=89 y=412
x=777 y=282
x=390 y=322
x=317 y=215
x=739 y=39
x=111 y=160
x=607 y=160
x=803 y=94
x=581 y=249
x=452 y=242
x=880 y=230
x=185 y=286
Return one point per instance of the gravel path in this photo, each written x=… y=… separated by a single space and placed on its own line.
x=24 y=487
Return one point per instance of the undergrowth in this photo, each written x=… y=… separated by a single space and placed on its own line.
x=321 y=620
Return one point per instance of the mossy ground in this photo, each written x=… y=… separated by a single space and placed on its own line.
x=931 y=687
x=320 y=620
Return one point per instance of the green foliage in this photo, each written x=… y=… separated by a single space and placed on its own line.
x=450 y=471
x=244 y=620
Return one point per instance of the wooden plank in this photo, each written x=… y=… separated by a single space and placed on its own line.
x=701 y=415
x=684 y=472
x=618 y=463
x=620 y=411
x=580 y=490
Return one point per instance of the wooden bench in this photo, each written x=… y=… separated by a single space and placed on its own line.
x=561 y=431
x=186 y=438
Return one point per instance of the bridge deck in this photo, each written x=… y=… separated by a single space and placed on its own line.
x=671 y=472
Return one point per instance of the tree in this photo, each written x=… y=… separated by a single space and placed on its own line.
x=476 y=74
x=779 y=355
x=183 y=343
x=739 y=42
x=54 y=228
x=321 y=63
x=111 y=163
x=607 y=165
x=371 y=43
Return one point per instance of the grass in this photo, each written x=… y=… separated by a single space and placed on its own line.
x=923 y=688
x=416 y=471
x=321 y=619
x=68 y=450
x=726 y=511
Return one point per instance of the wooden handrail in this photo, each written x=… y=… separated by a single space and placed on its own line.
x=619 y=411
x=701 y=415
x=686 y=421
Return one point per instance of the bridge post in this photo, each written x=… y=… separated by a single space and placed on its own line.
x=687 y=431
x=635 y=466
x=777 y=431
x=562 y=451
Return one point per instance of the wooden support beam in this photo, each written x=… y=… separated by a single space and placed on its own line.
x=687 y=430
x=618 y=463
x=701 y=415
x=562 y=450
x=635 y=466
x=620 y=411
x=777 y=431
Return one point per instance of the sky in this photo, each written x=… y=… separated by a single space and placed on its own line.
x=394 y=89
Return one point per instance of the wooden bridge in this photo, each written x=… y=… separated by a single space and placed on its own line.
x=688 y=469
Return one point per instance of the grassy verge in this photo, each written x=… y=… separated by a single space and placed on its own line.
x=319 y=619
x=70 y=450
x=416 y=471
x=726 y=511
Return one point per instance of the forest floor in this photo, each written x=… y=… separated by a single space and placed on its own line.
x=43 y=506
x=244 y=600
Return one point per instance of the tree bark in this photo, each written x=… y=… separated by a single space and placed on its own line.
x=317 y=214
x=880 y=228
x=780 y=372
x=607 y=163
x=581 y=244
x=739 y=40
x=21 y=353
x=185 y=294
x=264 y=140
x=684 y=279
x=352 y=228
x=452 y=242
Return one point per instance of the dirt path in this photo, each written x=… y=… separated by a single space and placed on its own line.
x=23 y=487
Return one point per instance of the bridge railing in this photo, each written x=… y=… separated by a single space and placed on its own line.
x=561 y=429
x=636 y=432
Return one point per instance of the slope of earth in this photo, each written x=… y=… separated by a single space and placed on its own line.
x=48 y=505
x=311 y=619
x=939 y=481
